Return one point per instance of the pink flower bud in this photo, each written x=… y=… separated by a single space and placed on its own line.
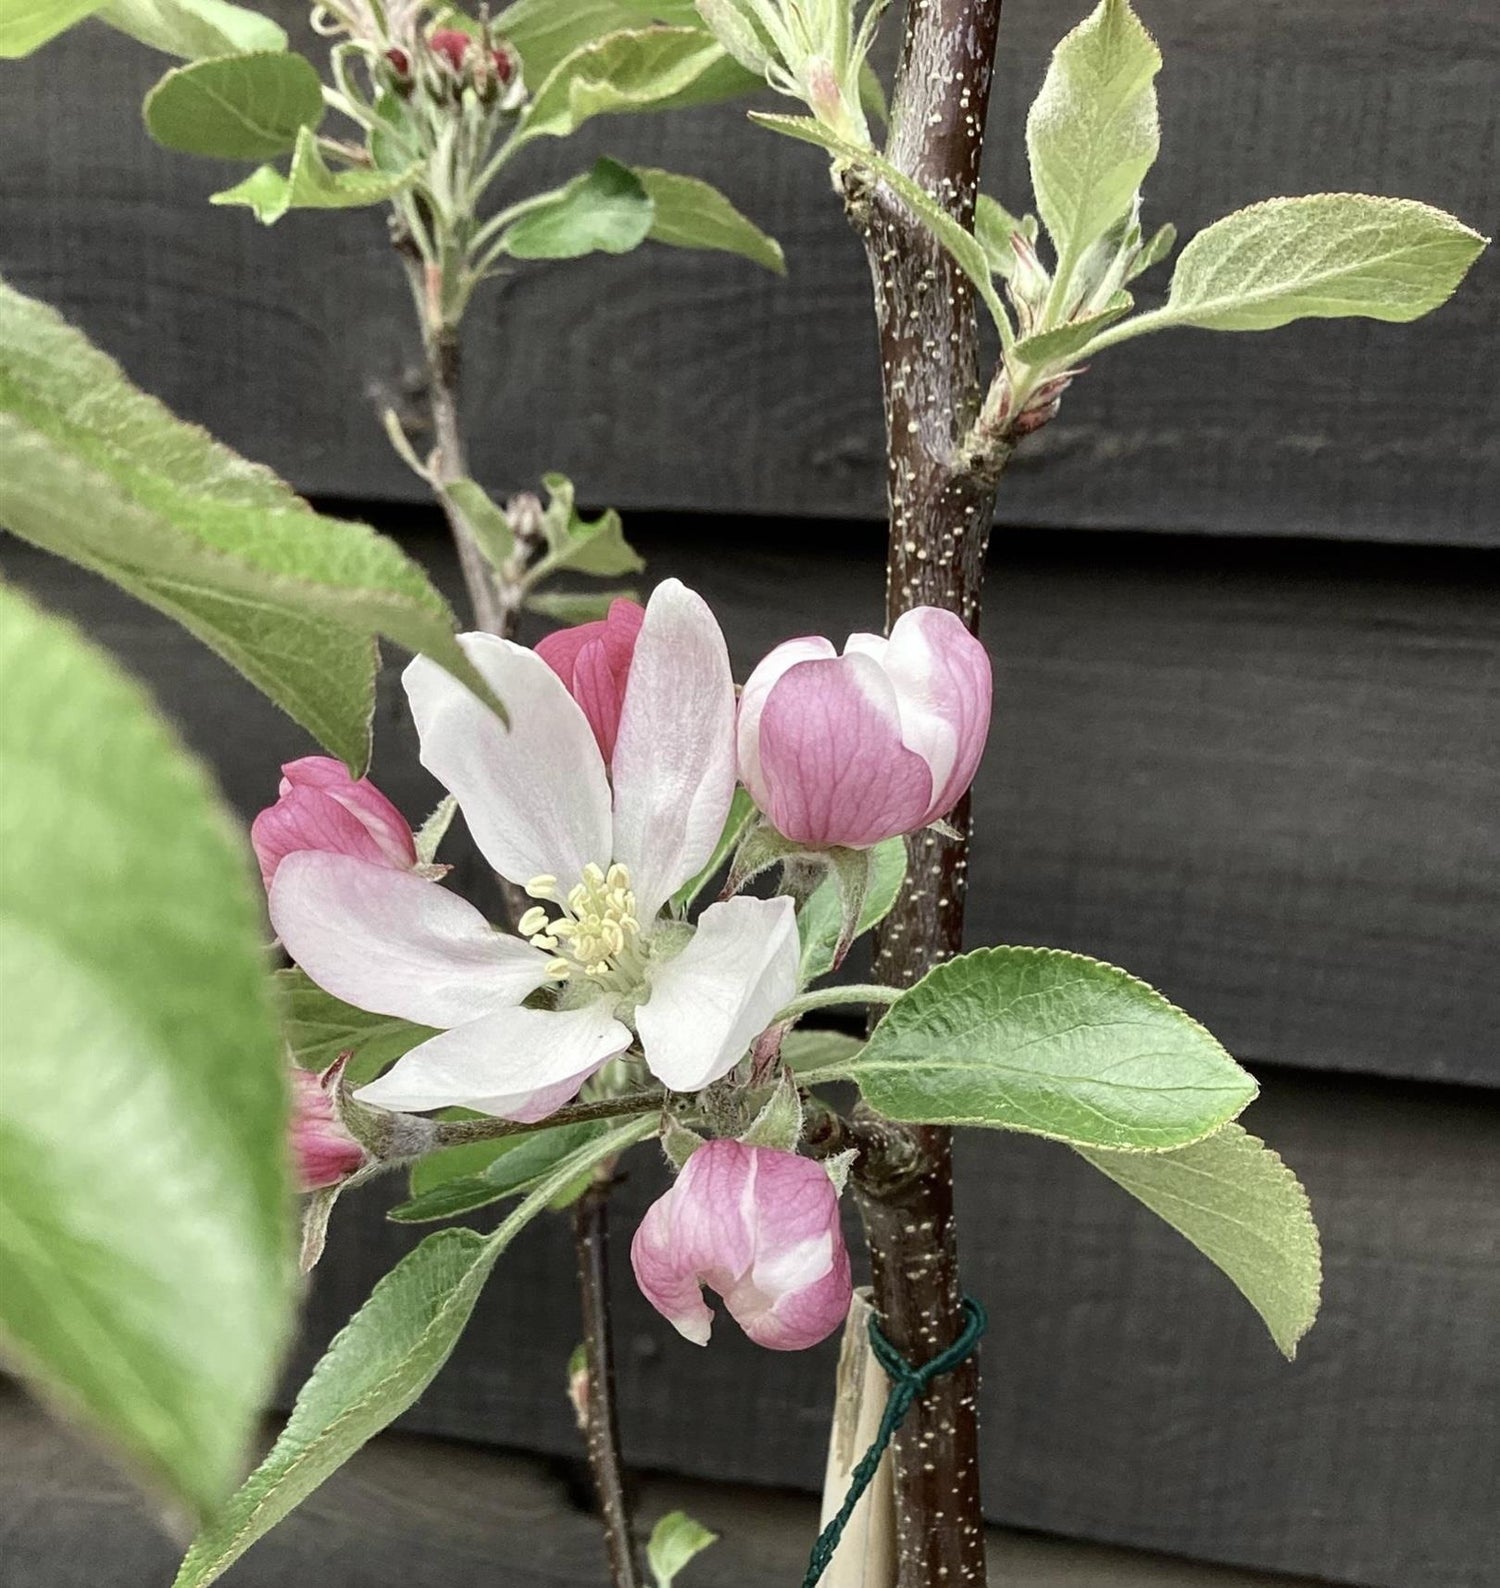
x=322 y=807
x=503 y=62
x=452 y=45
x=880 y=741
x=759 y=1227
x=593 y=660
x=399 y=62
x=323 y=1151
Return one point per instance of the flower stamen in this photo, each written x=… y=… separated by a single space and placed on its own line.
x=596 y=935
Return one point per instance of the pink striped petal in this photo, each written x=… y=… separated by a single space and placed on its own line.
x=321 y=807
x=753 y=698
x=593 y=660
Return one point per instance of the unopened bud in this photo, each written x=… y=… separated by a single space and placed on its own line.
x=451 y=45
x=399 y=62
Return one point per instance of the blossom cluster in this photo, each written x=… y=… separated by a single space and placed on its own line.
x=604 y=799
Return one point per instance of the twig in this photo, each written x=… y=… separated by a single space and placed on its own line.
x=602 y=1430
x=459 y=1132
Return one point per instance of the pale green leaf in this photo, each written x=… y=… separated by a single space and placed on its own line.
x=26 y=25
x=545 y=32
x=597 y=546
x=644 y=69
x=319 y=1027
x=102 y=474
x=486 y=522
x=962 y=245
x=995 y=227
x=1052 y=1044
x=194 y=29
x=819 y=1048
x=236 y=107
x=310 y=184
x=675 y=1540
x=145 y=1218
x=378 y=1365
x=1064 y=342
x=605 y=210
x=694 y=214
x=1161 y=243
x=820 y=919
x=1092 y=132
x=1240 y=1205
x=578 y=606
x=430 y=835
x=741 y=813
x=1323 y=256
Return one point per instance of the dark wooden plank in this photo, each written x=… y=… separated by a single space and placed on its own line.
x=1128 y=1393
x=1263 y=779
x=674 y=380
x=409 y=1512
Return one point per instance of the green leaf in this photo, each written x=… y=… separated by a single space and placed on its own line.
x=1323 y=256
x=962 y=245
x=319 y=1027
x=741 y=813
x=430 y=835
x=596 y=546
x=994 y=227
x=100 y=473
x=194 y=29
x=545 y=32
x=145 y=1220
x=486 y=522
x=1092 y=131
x=645 y=69
x=693 y=214
x=1240 y=1205
x=1064 y=342
x=1161 y=243
x=1052 y=1044
x=378 y=1365
x=26 y=25
x=605 y=210
x=236 y=107
x=818 y=1048
x=675 y=1540
x=578 y=606
x=460 y=1179
x=821 y=918
x=310 y=185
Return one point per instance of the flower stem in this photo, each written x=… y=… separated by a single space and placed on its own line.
x=601 y=1424
x=830 y=997
x=460 y=1132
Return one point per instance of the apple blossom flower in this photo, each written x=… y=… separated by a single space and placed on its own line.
x=761 y=1228
x=323 y=1152
x=880 y=741
x=593 y=660
x=320 y=806
x=602 y=851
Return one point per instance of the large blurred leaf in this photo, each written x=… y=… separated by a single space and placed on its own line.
x=1049 y=1043
x=1240 y=1205
x=378 y=1365
x=26 y=25
x=547 y=31
x=310 y=185
x=98 y=472
x=236 y=107
x=605 y=210
x=694 y=214
x=194 y=28
x=144 y=1218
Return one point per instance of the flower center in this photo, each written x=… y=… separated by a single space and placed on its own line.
x=596 y=933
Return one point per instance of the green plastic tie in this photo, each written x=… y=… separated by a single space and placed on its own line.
x=907 y=1383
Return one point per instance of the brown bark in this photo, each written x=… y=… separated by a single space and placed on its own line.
x=940 y=511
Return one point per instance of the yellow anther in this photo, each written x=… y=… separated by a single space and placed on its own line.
x=534 y=921
x=544 y=940
x=617 y=876
x=542 y=887
x=558 y=970
x=593 y=875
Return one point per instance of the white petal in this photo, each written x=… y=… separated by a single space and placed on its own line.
x=535 y=795
x=517 y=1064
x=708 y=1004
x=674 y=758
x=811 y=648
x=396 y=944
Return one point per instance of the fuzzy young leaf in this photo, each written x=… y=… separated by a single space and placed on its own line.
x=578 y=606
x=26 y=25
x=963 y=246
x=100 y=473
x=310 y=184
x=546 y=32
x=995 y=227
x=1063 y=343
x=486 y=523
x=821 y=919
x=741 y=814
x=596 y=546
x=236 y=107
x=1240 y=1205
x=1323 y=256
x=1092 y=132
x=819 y=1048
x=319 y=1027
x=606 y=210
x=194 y=29
x=429 y=836
x=629 y=71
x=693 y=214
x=145 y=1218
x=675 y=1540
x=1052 y=1044
x=377 y=1366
